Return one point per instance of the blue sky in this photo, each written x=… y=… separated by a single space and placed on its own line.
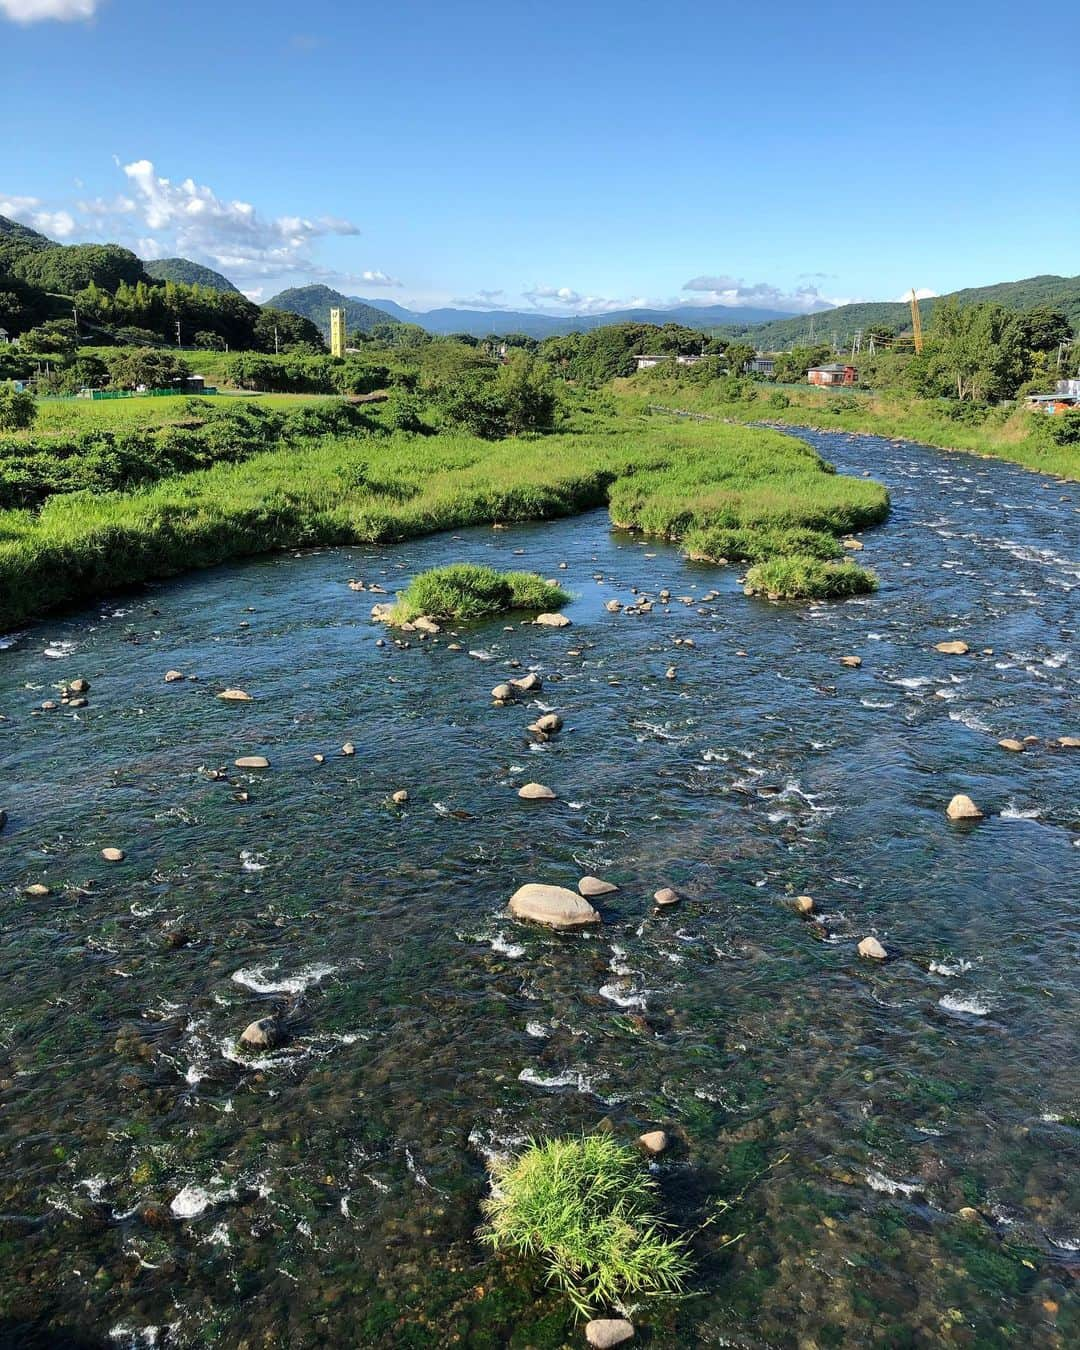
x=566 y=156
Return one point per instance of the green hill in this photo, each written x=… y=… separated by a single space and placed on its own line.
x=316 y=302
x=190 y=273
x=842 y=323
x=21 y=238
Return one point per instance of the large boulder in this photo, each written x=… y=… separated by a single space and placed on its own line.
x=553 y=906
x=552 y=621
x=957 y=648
x=536 y=792
x=872 y=949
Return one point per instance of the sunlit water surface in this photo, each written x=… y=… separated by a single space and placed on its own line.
x=160 y=1188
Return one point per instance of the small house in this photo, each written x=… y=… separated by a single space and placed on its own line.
x=760 y=365
x=830 y=376
x=647 y=360
x=1050 y=404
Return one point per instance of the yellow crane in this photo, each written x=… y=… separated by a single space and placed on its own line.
x=916 y=320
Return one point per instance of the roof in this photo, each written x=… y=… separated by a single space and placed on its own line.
x=833 y=367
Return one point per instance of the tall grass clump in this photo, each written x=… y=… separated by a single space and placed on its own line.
x=800 y=577
x=469 y=591
x=586 y=1209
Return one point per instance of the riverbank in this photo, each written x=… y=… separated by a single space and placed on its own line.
x=666 y=478
x=1007 y=433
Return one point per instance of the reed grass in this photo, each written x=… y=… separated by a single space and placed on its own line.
x=469 y=591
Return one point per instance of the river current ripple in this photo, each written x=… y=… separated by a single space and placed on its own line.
x=159 y=1188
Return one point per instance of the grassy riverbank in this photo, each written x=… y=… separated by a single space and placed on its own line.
x=661 y=477
x=1006 y=432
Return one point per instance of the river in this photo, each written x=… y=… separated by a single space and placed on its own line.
x=159 y=1189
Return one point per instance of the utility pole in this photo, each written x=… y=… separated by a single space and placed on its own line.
x=178 y=332
x=276 y=346
x=75 y=316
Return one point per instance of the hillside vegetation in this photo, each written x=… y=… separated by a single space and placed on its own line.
x=315 y=303
x=188 y=272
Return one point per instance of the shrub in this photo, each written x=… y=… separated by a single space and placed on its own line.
x=469 y=591
x=585 y=1207
x=17 y=408
x=747 y=544
x=798 y=576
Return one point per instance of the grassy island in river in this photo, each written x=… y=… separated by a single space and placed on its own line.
x=373 y=484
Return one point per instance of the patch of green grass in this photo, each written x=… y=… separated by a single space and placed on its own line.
x=469 y=591
x=798 y=577
x=585 y=1207
x=711 y=543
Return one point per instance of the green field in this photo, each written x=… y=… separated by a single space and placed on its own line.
x=661 y=477
x=63 y=417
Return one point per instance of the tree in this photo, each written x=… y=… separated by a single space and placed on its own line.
x=18 y=408
x=738 y=354
x=66 y=269
x=979 y=348
x=147 y=367
x=1043 y=328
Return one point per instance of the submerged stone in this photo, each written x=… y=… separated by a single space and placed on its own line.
x=235 y=696
x=262 y=1034
x=963 y=808
x=593 y=886
x=604 y=1332
x=553 y=906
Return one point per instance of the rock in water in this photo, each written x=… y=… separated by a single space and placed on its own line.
x=1069 y=742
x=854 y=544
x=79 y=686
x=666 y=896
x=957 y=648
x=263 y=1034
x=400 y=797
x=1009 y=743
x=235 y=696
x=113 y=854
x=655 y=1141
x=528 y=684
x=502 y=693
x=348 y=748
x=536 y=792
x=171 y=676
x=593 y=886
x=963 y=808
x=549 y=723
x=553 y=906
x=604 y=1332
x=854 y=662
x=804 y=904
x=424 y=624
x=37 y=888
x=552 y=620
x=872 y=948
x=252 y=762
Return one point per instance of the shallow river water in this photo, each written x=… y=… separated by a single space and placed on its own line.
x=160 y=1189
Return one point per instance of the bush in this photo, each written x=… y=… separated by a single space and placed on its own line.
x=747 y=544
x=585 y=1207
x=17 y=408
x=469 y=591
x=799 y=577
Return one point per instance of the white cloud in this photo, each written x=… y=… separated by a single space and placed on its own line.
x=578 y=303
x=29 y=211
x=922 y=293
x=376 y=278
x=724 y=290
x=230 y=234
x=33 y=11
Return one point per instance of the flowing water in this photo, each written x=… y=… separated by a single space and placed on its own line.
x=160 y=1188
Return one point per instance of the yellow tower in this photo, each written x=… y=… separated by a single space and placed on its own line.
x=337 y=332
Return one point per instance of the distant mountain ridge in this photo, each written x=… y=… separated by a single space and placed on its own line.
x=189 y=273
x=846 y=320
